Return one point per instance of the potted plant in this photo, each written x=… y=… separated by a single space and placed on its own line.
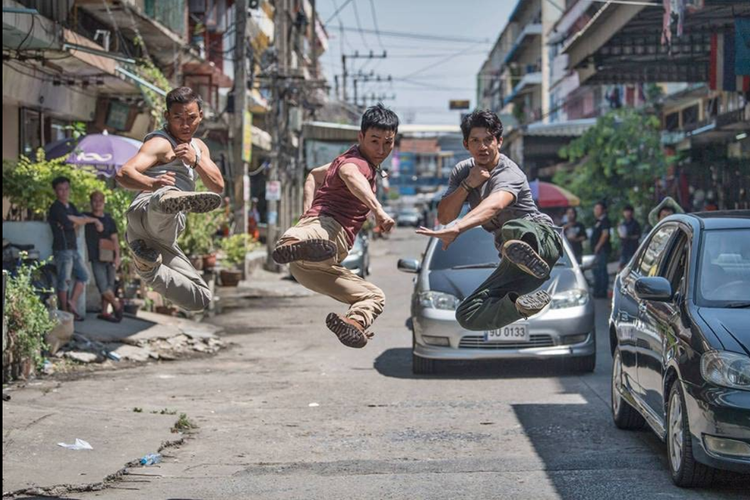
x=234 y=249
x=197 y=241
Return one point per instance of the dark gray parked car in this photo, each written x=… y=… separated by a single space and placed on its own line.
x=358 y=259
x=680 y=337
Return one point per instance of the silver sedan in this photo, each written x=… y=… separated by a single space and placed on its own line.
x=564 y=329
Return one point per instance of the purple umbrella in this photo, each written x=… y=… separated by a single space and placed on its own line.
x=106 y=153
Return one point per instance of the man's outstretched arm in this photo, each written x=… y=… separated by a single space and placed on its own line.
x=360 y=187
x=482 y=214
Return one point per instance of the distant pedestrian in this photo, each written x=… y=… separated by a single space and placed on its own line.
x=575 y=233
x=104 y=255
x=602 y=248
x=64 y=219
x=668 y=206
x=629 y=231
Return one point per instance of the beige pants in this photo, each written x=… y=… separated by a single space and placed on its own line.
x=366 y=301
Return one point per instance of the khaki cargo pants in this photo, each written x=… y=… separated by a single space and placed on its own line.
x=366 y=301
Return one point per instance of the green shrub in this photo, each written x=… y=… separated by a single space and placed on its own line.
x=235 y=247
x=28 y=185
x=28 y=320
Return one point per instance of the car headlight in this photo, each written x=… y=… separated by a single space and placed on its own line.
x=571 y=298
x=438 y=300
x=727 y=369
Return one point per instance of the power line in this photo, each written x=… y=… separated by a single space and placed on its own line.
x=422 y=36
x=359 y=24
x=442 y=61
x=375 y=23
x=338 y=9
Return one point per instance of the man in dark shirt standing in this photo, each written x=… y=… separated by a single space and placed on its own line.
x=104 y=255
x=64 y=219
x=602 y=248
x=575 y=233
x=630 y=233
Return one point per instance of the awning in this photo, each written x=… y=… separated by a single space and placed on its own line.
x=622 y=44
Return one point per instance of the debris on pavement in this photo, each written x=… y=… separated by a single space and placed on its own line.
x=150 y=459
x=80 y=444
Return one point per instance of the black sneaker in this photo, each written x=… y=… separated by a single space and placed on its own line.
x=530 y=304
x=525 y=257
x=309 y=250
x=174 y=201
x=145 y=258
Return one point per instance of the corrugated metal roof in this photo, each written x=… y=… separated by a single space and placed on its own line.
x=570 y=128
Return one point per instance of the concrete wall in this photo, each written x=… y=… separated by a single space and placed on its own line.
x=39 y=234
x=10 y=132
x=61 y=100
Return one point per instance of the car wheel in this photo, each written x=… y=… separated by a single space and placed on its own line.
x=624 y=415
x=686 y=471
x=584 y=364
x=421 y=366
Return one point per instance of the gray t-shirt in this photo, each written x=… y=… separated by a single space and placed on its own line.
x=506 y=176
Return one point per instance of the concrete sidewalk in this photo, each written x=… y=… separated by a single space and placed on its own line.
x=138 y=339
x=120 y=414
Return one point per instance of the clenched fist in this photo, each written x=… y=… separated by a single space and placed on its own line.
x=477 y=176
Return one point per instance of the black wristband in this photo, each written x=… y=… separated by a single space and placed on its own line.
x=466 y=186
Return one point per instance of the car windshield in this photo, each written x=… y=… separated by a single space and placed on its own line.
x=473 y=249
x=724 y=279
x=408 y=211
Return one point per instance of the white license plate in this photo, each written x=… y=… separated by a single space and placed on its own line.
x=510 y=333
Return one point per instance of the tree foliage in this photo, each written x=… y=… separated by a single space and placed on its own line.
x=617 y=160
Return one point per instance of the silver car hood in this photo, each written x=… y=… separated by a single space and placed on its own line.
x=462 y=282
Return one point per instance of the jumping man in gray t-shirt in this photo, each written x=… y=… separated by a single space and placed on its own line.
x=500 y=199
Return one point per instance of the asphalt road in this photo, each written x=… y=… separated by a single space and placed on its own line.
x=287 y=412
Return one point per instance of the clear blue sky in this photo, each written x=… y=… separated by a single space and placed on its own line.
x=437 y=70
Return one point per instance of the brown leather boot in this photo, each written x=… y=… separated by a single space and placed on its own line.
x=309 y=250
x=349 y=331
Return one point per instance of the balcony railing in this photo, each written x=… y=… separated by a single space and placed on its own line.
x=170 y=13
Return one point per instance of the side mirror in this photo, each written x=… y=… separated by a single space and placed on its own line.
x=588 y=262
x=656 y=288
x=409 y=266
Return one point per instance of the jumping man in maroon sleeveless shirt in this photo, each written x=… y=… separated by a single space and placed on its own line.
x=338 y=198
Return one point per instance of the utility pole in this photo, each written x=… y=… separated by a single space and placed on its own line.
x=345 y=74
x=279 y=130
x=314 y=38
x=241 y=178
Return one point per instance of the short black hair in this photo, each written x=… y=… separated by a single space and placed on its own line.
x=59 y=180
x=668 y=208
x=575 y=212
x=628 y=207
x=183 y=95
x=602 y=203
x=482 y=118
x=379 y=117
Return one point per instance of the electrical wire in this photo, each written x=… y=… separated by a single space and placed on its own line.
x=336 y=12
x=375 y=23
